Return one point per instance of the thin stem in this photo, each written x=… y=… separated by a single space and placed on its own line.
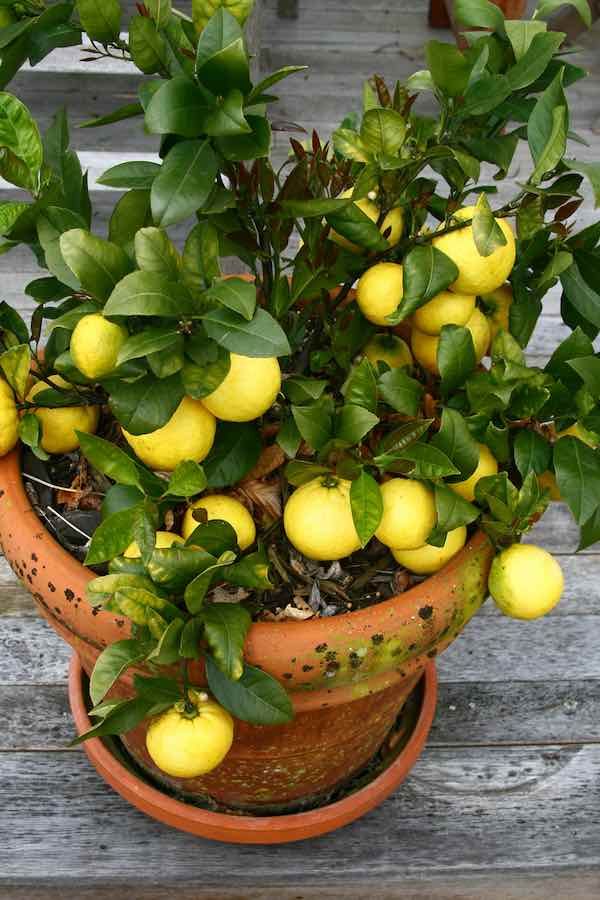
x=59 y=487
x=70 y=524
x=188 y=705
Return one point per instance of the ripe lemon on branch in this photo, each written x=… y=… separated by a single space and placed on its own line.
x=391 y=227
x=163 y=540
x=203 y=10
x=486 y=465
x=390 y=349
x=408 y=514
x=525 y=581
x=379 y=291
x=446 y=308
x=58 y=425
x=226 y=509
x=428 y=559
x=189 y=434
x=425 y=346
x=477 y=274
x=192 y=738
x=248 y=390
x=9 y=419
x=95 y=345
x=318 y=519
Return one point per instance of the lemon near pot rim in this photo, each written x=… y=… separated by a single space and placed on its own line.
x=9 y=419
x=226 y=509
x=408 y=514
x=428 y=559
x=318 y=521
x=525 y=581
x=248 y=390
x=189 y=434
x=379 y=291
x=59 y=425
x=95 y=345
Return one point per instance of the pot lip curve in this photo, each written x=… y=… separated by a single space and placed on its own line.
x=317 y=630
x=251 y=829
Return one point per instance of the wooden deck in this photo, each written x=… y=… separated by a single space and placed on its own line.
x=505 y=801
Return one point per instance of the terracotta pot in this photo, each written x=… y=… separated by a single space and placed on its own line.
x=347 y=675
x=252 y=829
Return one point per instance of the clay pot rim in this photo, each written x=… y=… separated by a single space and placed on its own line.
x=251 y=829
x=314 y=630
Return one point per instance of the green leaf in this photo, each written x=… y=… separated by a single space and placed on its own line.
x=127 y=111
x=353 y=423
x=102 y=21
x=487 y=234
x=360 y=387
x=200 y=261
x=131 y=213
x=455 y=357
x=479 y=14
x=429 y=461
x=272 y=79
x=134 y=175
x=10 y=320
x=227 y=118
x=547 y=7
x=547 y=128
x=315 y=422
x=256 y=697
x=588 y=368
x=112 y=536
x=147 y=404
x=348 y=144
x=110 y=665
x=189 y=646
x=98 y=265
x=590 y=531
x=197 y=589
x=400 y=391
x=160 y=10
x=51 y=224
x=147 y=342
x=300 y=389
x=288 y=436
x=367 y=506
x=179 y=107
x=382 y=131
x=148 y=294
x=10 y=214
x=577 y=469
x=251 y=571
x=214 y=536
x=355 y=225
x=166 y=652
x=426 y=272
x=234 y=294
x=210 y=366
x=316 y=207
x=300 y=471
x=521 y=33
x=15 y=365
x=592 y=172
x=184 y=182
x=147 y=45
x=452 y=510
x=187 y=479
x=578 y=289
x=534 y=62
x=262 y=336
x=173 y=568
x=154 y=252
x=234 y=453
x=121 y=718
x=448 y=66
x=226 y=626
x=455 y=439
x=532 y=453
x=109 y=459
x=485 y=94
x=22 y=152
x=30 y=432
x=120 y=496
x=254 y=145
x=221 y=58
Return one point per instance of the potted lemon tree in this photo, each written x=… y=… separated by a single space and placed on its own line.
x=303 y=475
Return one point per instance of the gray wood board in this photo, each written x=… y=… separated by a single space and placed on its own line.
x=469 y=811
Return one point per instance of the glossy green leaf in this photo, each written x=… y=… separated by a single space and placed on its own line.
x=166 y=652
x=154 y=252
x=101 y=21
x=426 y=272
x=180 y=106
x=547 y=128
x=256 y=697
x=131 y=213
x=355 y=225
x=452 y=510
x=577 y=469
x=235 y=294
x=256 y=144
x=112 y=536
x=147 y=45
x=448 y=67
x=367 y=506
x=97 y=264
x=272 y=79
x=22 y=151
x=479 y=14
x=532 y=64
x=360 y=387
x=487 y=234
x=455 y=439
x=455 y=357
x=147 y=404
x=187 y=479
x=234 y=453
x=400 y=391
x=225 y=627
x=127 y=111
x=51 y=224
x=315 y=422
x=353 y=423
x=578 y=284
x=547 y=7
x=383 y=131
x=15 y=364
x=184 y=183
x=112 y=663
x=148 y=294
x=221 y=58
x=591 y=170
x=262 y=336
x=251 y=571
x=109 y=459
x=130 y=175
x=532 y=453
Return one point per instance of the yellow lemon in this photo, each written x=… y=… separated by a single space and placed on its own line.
x=477 y=274
x=487 y=465
x=394 y=221
x=480 y=332
x=525 y=581
x=389 y=349
x=408 y=514
x=582 y=434
x=248 y=390
x=203 y=10
x=163 y=540
x=424 y=348
x=379 y=291
x=9 y=419
x=188 y=742
x=497 y=305
x=227 y=509
x=446 y=308
x=428 y=559
x=189 y=434
x=59 y=425
x=318 y=519
x=95 y=345
x=547 y=480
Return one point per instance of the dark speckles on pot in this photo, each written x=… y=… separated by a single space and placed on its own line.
x=355 y=660
x=307 y=668
x=321 y=648
x=432 y=653
x=332 y=667
x=34 y=557
x=330 y=655
x=51 y=587
x=377 y=639
x=69 y=594
x=426 y=612
x=95 y=610
x=34 y=572
x=288 y=675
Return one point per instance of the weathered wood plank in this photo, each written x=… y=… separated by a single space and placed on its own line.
x=574 y=883
x=37 y=717
x=503 y=808
x=491 y=649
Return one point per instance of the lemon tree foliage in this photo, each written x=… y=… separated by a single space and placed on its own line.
x=386 y=390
